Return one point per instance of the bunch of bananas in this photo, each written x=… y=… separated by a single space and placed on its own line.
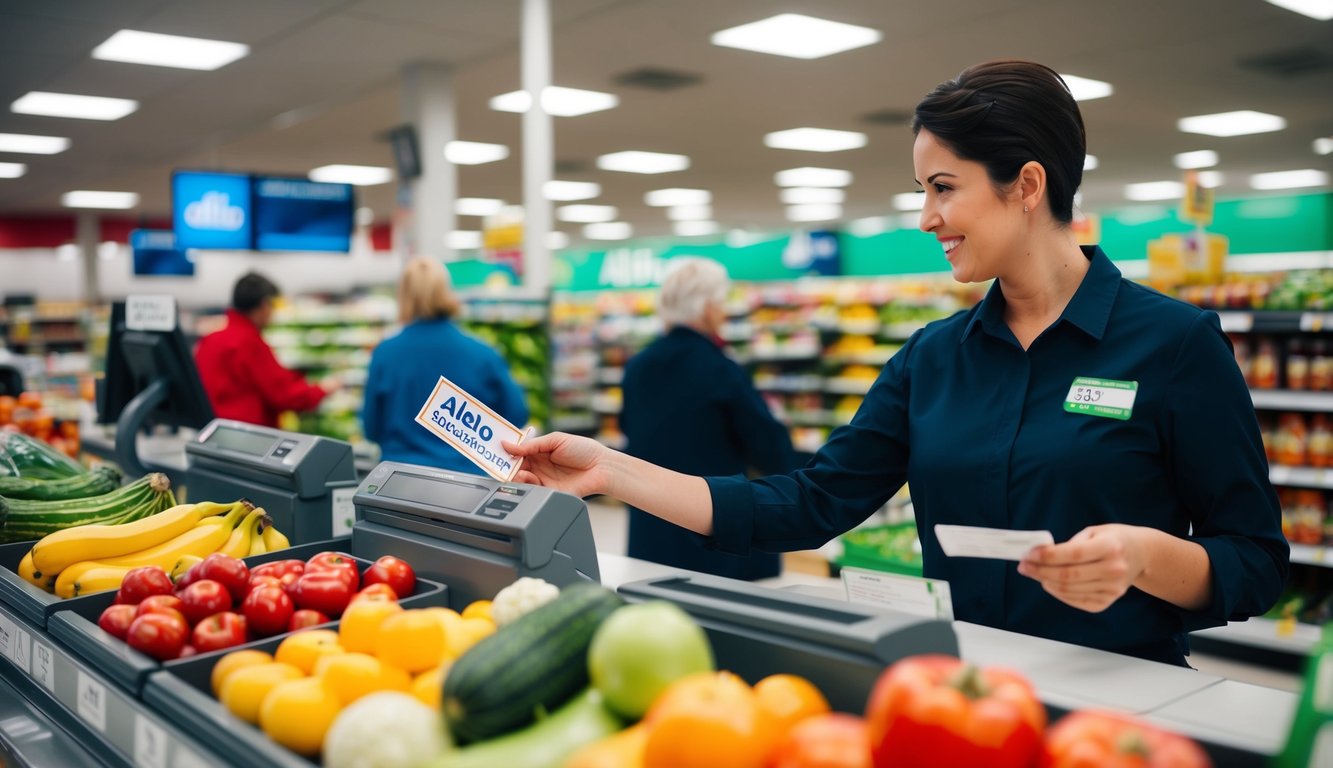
x=93 y=558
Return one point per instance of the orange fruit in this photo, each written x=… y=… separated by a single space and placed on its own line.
x=245 y=689
x=428 y=685
x=353 y=675
x=232 y=662
x=789 y=699
x=706 y=720
x=360 y=624
x=298 y=713
x=467 y=633
x=411 y=640
x=303 y=649
x=478 y=609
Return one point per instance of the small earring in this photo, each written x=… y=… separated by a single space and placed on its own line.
x=1025 y=209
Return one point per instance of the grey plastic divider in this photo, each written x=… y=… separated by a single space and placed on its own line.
x=31 y=603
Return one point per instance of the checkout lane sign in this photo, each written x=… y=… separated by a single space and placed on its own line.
x=473 y=429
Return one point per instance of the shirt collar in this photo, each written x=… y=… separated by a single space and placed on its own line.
x=1088 y=310
x=237 y=319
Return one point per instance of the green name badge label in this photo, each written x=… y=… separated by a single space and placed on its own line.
x=1102 y=397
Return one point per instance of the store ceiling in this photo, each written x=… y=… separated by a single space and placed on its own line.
x=321 y=86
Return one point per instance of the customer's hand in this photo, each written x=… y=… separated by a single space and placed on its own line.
x=1090 y=571
x=575 y=465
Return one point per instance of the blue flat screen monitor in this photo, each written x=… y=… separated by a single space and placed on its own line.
x=293 y=214
x=156 y=254
x=212 y=210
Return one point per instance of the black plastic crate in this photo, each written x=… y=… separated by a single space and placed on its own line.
x=33 y=604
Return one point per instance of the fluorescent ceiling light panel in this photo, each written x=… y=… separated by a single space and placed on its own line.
x=797 y=36
x=91 y=199
x=12 y=170
x=633 y=161
x=1203 y=158
x=50 y=104
x=359 y=175
x=26 y=144
x=474 y=152
x=557 y=101
x=811 y=195
x=136 y=47
x=1090 y=162
x=665 y=198
x=571 y=190
x=695 y=228
x=608 y=230
x=464 y=240
x=1323 y=145
x=1308 y=177
x=909 y=201
x=557 y=240
x=1211 y=179
x=478 y=206
x=690 y=212
x=586 y=213
x=813 y=212
x=1087 y=89
x=1238 y=123
x=1315 y=9
x=1155 y=190
x=815 y=140
x=813 y=177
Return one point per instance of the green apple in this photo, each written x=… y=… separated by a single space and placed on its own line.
x=640 y=649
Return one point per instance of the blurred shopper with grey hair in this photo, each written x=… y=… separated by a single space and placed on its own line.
x=690 y=408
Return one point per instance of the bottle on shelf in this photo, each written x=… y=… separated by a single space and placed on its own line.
x=1319 y=447
x=1321 y=367
x=1289 y=443
x=1298 y=365
x=1310 y=741
x=1265 y=365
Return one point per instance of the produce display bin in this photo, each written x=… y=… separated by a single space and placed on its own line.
x=77 y=627
x=890 y=548
x=30 y=602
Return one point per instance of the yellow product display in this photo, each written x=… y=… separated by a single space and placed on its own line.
x=59 y=550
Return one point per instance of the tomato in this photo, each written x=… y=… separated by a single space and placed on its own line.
x=161 y=604
x=268 y=610
x=379 y=591
x=142 y=583
x=116 y=620
x=831 y=740
x=279 y=568
x=1090 y=739
x=160 y=635
x=221 y=630
x=937 y=711
x=227 y=571
x=203 y=599
x=323 y=591
x=306 y=618
x=338 y=563
x=396 y=573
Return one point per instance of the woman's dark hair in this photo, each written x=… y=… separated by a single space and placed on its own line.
x=1003 y=114
x=251 y=290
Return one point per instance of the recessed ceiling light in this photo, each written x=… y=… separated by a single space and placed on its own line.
x=608 y=230
x=360 y=175
x=1323 y=145
x=815 y=140
x=813 y=177
x=571 y=190
x=557 y=101
x=1308 y=177
x=643 y=162
x=909 y=201
x=474 y=152
x=1090 y=162
x=586 y=213
x=690 y=212
x=664 y=198
x=869 y=226
x=1315 y=9
x=1087 y=89
x=1238 y=123
x=557 y=240
x=136 y=47
x=695 y=228
x=1203 y=158
x=26 y=144
x=797 y=36
x=813 y=212
x=92 y=199
x=464 y=240
x=478 y=206
x=12 y=170
x=1211 y=179
x=50 y=104
x=1155 y=190
x=811 y=195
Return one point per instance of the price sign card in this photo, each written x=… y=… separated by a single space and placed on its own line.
x=473 y=430
x=994 y=543
x=920 y=597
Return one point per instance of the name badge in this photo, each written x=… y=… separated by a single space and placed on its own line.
x=472 y=429
x=1102 y=397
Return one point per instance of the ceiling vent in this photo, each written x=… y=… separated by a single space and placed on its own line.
x=888 y=117
x=654 y=79
x=1293 y=62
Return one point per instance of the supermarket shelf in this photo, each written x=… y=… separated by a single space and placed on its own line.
x=573 y=423
x=1274 y=321
x=783 y=355
x=845 y=386
x=792 y=384
x=1294 y=638
x=863 y=358
x=610 y=375
x=1303 y=477
x=1309 y=554
x=902 y=330
x=1292 y=400
x=612 y=441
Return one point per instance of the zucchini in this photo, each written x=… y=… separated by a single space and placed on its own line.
x=101 y=480
x=535 y=663
x=544 y=744
x=25 y=456
x=25 y=519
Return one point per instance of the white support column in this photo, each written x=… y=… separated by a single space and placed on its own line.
x=538 y=145
x=428 y=105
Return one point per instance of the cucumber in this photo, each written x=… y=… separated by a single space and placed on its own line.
x=25 y=456
x=535 y=663
x=544 y=744
x=26 y=519
x=100 y=480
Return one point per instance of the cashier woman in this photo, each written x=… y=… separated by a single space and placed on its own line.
x=1158 y=498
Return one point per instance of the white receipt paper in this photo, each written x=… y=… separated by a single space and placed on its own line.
x=994 y=543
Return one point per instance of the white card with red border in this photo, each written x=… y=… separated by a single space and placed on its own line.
x=472 y=429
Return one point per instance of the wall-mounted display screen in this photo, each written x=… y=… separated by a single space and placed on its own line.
x=156 y=254
x=302 y=215
x=211 y=210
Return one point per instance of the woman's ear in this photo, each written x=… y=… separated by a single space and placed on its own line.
x=1031 y=185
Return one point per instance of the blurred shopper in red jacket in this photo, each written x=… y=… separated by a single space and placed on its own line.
x=243 y=379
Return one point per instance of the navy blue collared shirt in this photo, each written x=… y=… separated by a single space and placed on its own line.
x=977 y=426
